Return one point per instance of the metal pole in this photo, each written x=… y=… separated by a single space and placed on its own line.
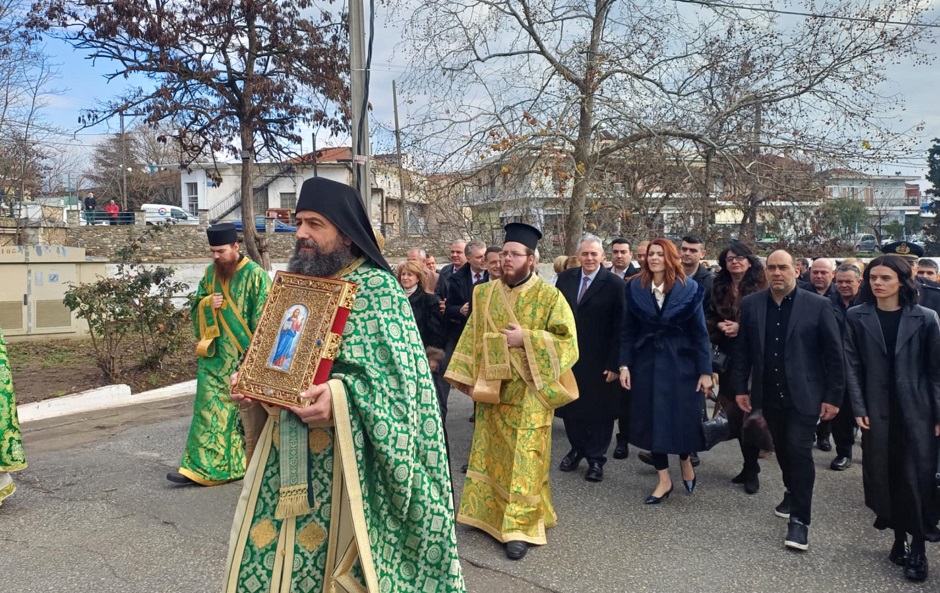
x=123 y=166
x=402 y=210
x=360 y=98
x=314 y=153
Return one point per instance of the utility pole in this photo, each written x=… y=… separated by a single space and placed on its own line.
x=314 y=154
x=360 y=101
x=123 y=166
x=402 y=210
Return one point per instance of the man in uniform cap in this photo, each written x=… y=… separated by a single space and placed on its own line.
x=381 y=374
x=514 y=358
x=928 y=290
x=225 y=313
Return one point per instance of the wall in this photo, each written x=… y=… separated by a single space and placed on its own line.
x=172 y=243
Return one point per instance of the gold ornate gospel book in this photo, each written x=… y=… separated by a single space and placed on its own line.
x=297 y=338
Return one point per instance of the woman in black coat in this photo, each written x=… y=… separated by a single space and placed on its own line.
x=896 y=400
x=741 y=274
x=666 y=362
x=426 y=305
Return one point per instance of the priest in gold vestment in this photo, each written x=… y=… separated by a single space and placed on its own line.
x=514 y=358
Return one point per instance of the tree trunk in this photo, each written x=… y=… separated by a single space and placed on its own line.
x=584 y=170
x=255 y=245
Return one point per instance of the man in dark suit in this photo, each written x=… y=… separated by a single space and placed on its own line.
x=621 y=259
x=623 y=266
x=596 y=296
x=821 y=276
x=790 y=353
x=460 y=291
x=691 y=252
x=457 y=260
x=848 y=281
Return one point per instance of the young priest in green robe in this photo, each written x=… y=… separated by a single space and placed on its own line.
x=225 y=313
x=377 y=418
x=12 y=457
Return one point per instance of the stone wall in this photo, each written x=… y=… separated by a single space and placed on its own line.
x=175 y=243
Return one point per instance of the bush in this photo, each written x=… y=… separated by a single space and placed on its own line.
x=137 y=306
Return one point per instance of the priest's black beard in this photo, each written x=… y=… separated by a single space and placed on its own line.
x=316 y=262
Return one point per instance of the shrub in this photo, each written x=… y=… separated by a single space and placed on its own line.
x=139 y=305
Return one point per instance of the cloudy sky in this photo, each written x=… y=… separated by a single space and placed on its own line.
x=82 y=83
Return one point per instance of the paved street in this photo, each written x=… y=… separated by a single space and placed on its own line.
x=94 y=513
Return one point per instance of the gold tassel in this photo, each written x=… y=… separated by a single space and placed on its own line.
x=292 y=502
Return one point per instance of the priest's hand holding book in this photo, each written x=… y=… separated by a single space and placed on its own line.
x=318 y=413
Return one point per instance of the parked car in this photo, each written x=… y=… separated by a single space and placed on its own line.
x=164 y=213
x=279 y=227
x=866 y=243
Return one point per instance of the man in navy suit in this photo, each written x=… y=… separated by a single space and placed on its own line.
x=596 y=297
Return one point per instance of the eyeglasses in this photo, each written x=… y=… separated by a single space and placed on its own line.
x=735 y=259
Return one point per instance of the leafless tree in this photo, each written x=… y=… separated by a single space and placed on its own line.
x=498 y=76
x=227 y=74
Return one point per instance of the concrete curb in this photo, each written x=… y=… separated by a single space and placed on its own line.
x=110 y=396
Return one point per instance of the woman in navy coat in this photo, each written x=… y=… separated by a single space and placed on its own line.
x=665 y=358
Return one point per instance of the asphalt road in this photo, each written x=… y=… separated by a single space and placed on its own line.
x=93 y=513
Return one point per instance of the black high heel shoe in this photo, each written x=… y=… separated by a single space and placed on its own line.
x=690 y=484
x=658 y=499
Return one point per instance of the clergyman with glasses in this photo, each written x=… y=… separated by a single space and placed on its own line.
x=514 y=359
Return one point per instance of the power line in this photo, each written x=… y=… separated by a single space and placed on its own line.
x=711 y=4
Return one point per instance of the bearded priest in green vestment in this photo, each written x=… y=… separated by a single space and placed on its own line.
x=12 y=457
x=225 y=313
x=385 y=522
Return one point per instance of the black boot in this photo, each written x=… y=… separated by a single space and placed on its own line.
x=916 y=569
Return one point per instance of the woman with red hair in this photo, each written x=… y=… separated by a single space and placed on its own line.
x=665 y=360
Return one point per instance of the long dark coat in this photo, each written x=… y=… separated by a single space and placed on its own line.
x=427 y=309
x=917 y=389
x=598 y=319
x=667 y=351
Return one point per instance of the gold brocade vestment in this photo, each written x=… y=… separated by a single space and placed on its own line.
x=507 y=493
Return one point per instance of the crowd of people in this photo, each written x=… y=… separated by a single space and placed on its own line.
x=794 y=353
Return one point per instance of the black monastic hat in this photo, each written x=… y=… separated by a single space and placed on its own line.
x=342 y=206
x=222 y=234
x=904 y=249
x=518 y=232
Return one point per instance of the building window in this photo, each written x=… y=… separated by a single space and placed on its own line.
x=417 y=219
x=288 y=200
x=260 y=201
x=192 y=198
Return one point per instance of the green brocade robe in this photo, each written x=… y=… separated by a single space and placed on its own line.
x=400 y=459
x=215 y=449
x=12 y=457
x=506 y=492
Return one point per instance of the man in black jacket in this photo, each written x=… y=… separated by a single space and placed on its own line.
x=596 y=297
x=691 y=252
x=457 y=260
x=848 y=281
x=822 y=274
x=790 y=353
x=460 y=291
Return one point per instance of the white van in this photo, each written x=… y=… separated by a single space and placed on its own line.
x=164 y=213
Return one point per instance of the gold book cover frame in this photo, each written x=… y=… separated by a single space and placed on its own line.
x=297 y=338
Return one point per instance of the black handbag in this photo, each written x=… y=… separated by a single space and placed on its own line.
x=716 y=429
x=721 y=362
